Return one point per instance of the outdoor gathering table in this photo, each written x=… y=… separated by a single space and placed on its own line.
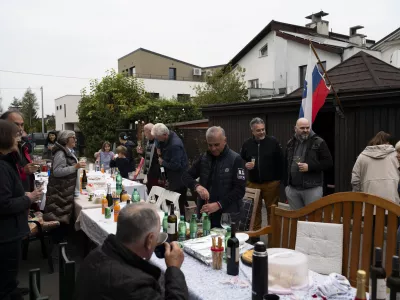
x=203 y=282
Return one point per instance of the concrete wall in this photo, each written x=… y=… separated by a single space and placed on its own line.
x=349 y=52
x=147 y=63
x=170 y=88
x=388 y=52
x=65 y=111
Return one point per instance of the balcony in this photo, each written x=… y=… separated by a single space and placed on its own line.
x=166 y=77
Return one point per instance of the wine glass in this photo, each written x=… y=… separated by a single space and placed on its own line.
x=297 y=159
x=226 y=220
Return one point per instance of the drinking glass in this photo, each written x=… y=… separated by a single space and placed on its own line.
x=83 y=159
x=297 y=159
x=226 y=220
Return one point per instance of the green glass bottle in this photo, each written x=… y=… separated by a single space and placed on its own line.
x=118 y=184
x=193 y=227
x=227 y=237
x=182 y=229
x=206 y=225
x=165 y=222
x=135 y=196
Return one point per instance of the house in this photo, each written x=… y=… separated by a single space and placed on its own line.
x=275 y=59
x=369 y=90
x=66 y=116
x=164 y=76
x=389 y=46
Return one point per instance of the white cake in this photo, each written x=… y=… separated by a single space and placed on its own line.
x=287 y=269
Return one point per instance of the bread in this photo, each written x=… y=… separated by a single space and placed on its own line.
x=247 y=257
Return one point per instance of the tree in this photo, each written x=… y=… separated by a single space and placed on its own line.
x=29 y=110
x=50 y=122
x=15 y=104
x=223 y=86
x=106 y=107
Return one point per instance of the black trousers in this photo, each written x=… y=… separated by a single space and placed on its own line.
x=182 y=200
x=10 y=255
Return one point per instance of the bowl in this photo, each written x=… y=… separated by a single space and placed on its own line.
x=242 y=237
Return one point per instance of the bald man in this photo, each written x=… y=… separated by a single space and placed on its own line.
x=307 y=157
x=151 y=164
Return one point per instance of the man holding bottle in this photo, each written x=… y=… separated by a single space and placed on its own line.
x=222 y=183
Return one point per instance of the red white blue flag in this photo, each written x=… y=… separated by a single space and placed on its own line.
x=315 y=91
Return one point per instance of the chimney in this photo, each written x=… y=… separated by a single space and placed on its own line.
x=357 y=38
x=317 y=22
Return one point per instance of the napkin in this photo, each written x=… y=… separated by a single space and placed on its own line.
x=335 y=284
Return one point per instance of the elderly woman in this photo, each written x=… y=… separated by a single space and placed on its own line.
x=63 y=182
x=376 y=169
x=14 y=206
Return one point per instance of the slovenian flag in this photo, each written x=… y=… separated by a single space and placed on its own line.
x=314 y=92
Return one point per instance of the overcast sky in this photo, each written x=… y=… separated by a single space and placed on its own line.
x=85 y=38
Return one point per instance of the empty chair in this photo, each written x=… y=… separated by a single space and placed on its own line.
x=172 y=197
x=66 y=274
x=155 y=193
x=34 y=285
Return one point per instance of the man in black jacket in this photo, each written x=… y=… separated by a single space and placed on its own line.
x=222 y=183
x=123 y=139
x=307 y=157
x=264 y=162
x=173 y=159
x=119 y=269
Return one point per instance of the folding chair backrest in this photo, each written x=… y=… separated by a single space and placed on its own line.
x=66 y=274
x=34 y=285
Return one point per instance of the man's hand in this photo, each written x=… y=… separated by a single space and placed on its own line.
x=158 y=151
x=36 y=195
x=31 y=168
x=174 y=257
x=139 y=150
x=160 y=160
x=80 y=165
x=210 y=208
x=303 y=167
x=249 y=166
x=203 y=193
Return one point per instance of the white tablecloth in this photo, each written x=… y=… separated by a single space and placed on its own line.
x=203 y=282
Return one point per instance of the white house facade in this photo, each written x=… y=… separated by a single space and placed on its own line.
x=66 y=116
x=389 y=46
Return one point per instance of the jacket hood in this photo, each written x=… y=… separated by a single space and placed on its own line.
x=378 y=151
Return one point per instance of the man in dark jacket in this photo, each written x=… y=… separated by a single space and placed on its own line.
x=307 y=157
x=264 y=162
x=173 y=159
x=25 y=167
x=123 y=139
x=151 y=165
x=119 y=269
x=222 y=183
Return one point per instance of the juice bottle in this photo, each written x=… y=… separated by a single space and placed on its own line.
x=104 y=204
x=117 y=209
x=102 y=168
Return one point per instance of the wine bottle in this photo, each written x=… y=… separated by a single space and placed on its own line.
x=109 y=195
x=377 y=284
x=232 y=253
x=260 y=271
x=361 y=279
x=163 y=177
x=182 y=229
x=84 y=180
x=393 y=281
x=172 y=226
x=165 y=222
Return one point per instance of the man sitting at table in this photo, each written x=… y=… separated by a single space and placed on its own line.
x=120 y=268
x=222 y=183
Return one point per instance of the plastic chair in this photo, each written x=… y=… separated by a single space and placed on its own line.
x=66 y=274
x=172 y=197
x=155 y=193
x=34 y=285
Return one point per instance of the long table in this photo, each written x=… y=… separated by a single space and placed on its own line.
x=203 y=282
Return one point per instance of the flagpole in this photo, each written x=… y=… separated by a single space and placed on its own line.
x=340 y=109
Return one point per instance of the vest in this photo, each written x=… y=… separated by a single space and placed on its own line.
x=222 y=178
x=60 y=192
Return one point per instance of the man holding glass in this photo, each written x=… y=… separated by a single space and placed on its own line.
x=307 y=157
x=264 y=162
x=222 y=183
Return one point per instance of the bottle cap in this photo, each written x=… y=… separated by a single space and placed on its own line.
x=378 y=255
x=165 y=213
x=194 y=216
x=182 y=218
x=361 y=274
x=395 y=263
x=228 y=229
x=204 y=214
x=260 y=247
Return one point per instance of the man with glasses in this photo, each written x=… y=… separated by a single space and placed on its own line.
x=25 y=167
x=264 y=162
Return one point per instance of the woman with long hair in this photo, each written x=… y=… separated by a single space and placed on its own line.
x=14 y=207
x=49 y=144
x=105 y=155
x=376 y=169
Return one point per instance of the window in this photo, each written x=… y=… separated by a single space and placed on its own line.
x=65 y=111
x=172 y=73
x=153 y=95
x=253 y=84
x=264 y=50
x=60 y=107
x=62 y=126
x=132 y=71
x=57 y=107
x=303 y=71
x=183 y=97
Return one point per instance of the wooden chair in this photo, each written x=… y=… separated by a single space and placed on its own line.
x=34 y=285
x=356 y=212
x=66 y=274
x=254 y=195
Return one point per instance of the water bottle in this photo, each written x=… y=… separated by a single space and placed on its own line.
x=97 y=166
x=260 y=271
